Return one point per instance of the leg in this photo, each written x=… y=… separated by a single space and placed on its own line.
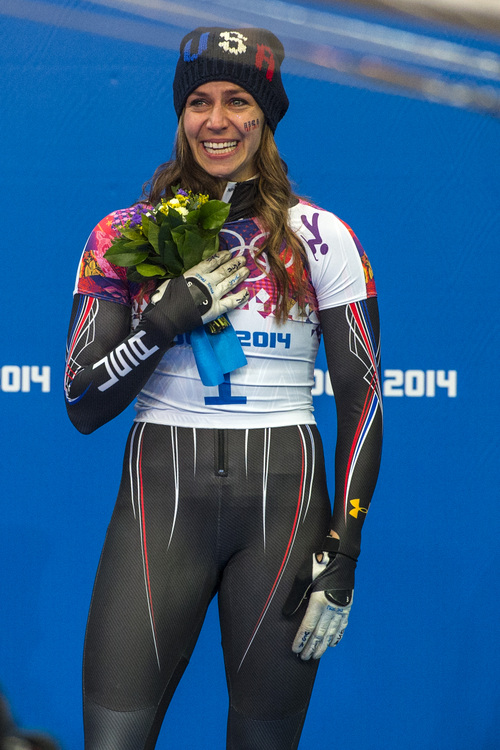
x=151 y=592
x=269 y=686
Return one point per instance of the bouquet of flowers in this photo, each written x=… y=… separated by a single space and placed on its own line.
x=166 y=240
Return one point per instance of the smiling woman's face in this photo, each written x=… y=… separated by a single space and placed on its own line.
x=223 y=126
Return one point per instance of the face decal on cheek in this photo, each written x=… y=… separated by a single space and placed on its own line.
x=252 y=125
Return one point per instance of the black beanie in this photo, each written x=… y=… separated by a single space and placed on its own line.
x=248 y=57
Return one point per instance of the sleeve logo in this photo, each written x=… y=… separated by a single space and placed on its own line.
x=356 y=509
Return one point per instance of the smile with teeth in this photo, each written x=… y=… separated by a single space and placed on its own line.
x=219 y=148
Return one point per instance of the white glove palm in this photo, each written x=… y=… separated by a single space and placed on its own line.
x=323 y=625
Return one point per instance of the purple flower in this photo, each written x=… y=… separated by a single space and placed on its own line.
x=182 y=192
x=136 y=215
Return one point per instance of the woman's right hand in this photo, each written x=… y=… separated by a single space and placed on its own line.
x=209 y=283
x=108 y=364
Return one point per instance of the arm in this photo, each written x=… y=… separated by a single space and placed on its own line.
x=351 y=335
x=107 y=364
x=352 y=344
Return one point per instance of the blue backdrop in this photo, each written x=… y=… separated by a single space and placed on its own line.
x=85 y=120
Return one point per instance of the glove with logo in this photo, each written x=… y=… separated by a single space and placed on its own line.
x=209 y=282
x=328 y=610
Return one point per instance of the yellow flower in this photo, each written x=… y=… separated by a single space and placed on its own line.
x=163 y=208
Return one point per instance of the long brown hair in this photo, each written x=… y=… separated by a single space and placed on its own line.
x=274 y=197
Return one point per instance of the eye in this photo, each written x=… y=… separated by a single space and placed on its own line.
x=196 y=102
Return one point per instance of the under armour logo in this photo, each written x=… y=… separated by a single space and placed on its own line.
x=233 y=38
x=356 y=508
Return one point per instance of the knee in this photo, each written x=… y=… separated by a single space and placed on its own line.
x=247 y=733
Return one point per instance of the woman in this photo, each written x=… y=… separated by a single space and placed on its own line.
x=223 y=488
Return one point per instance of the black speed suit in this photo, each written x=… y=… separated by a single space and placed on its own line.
x=202 y=511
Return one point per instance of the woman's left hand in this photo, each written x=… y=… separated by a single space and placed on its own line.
x=328 y=607
x=323 y=624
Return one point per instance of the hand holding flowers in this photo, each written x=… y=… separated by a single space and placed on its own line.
x=168 y=240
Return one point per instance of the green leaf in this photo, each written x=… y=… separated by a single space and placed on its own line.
x=171 y=259
x=192 y=217
x=117 y=243
x=155 y=260
x=127 y=246
x=211 y=247
x=153 y=236
x=208 y=233
x=122 y=247
x=213 y=214
x=145 y=225
x=164 y=235
x=149 y=269
x=133 y=275
x=127 y=259
x=174 y=218
x=190 y=245
x=130 y=234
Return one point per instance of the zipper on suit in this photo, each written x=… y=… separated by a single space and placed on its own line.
x=221 y=453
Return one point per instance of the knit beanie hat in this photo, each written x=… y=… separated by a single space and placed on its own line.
x=250 y=58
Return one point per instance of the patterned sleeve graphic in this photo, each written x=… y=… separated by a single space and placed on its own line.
x=97 y=276
x=81 y=335
x=371 y=290
x=364 y=346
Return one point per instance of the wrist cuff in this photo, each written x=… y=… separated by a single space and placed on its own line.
x=200 y=294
